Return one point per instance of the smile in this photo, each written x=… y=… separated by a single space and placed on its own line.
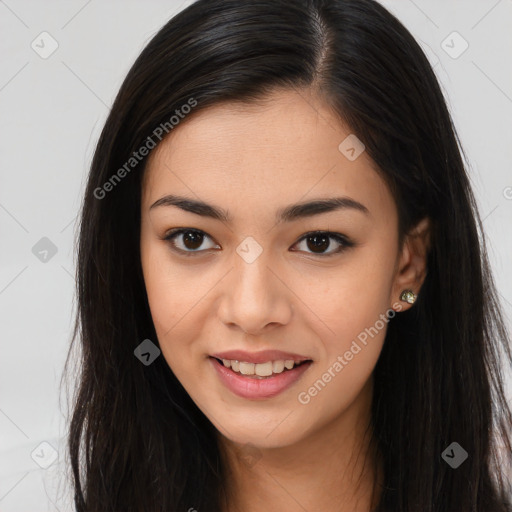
x=260 y=370
x=259 y=380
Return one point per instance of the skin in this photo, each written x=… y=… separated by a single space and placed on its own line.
x=252 y=160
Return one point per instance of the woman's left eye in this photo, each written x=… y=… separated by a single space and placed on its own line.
x=317 y=241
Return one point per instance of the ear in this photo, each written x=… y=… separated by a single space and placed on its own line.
x=411 y=268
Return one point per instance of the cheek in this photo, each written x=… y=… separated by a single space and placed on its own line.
x=172 y=297
x=353 y=315
x=173 y=290
x=355 y=294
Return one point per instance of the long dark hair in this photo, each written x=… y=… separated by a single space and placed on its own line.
x=136 y=440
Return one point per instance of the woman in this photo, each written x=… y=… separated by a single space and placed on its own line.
x=284 y=302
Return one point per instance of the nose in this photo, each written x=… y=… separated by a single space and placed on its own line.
x=255 y=298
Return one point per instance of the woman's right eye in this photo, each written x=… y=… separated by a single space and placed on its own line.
x=187 y=241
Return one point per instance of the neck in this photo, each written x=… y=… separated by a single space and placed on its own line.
x=335 y=469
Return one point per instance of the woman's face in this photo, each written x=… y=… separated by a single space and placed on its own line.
x=254 y=281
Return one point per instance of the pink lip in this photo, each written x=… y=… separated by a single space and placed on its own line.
x=247 y=387
x=259 y=357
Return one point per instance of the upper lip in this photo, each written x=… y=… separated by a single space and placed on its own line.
x=259 y=357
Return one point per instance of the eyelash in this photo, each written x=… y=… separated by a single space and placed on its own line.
x=344 y=242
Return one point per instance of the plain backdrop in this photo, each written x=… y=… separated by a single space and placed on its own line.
x=52 y=110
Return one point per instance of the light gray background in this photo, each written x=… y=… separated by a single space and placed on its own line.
x=52 y=111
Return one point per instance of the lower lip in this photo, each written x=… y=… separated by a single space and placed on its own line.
x=252 y=388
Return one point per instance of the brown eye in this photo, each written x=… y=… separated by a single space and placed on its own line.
x=319 y=241
x=191 y=240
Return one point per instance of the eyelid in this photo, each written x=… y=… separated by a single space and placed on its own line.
x=170 y=235
x=340 y=238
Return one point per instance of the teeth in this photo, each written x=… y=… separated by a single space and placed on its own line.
x=263 y=369
x=246 y=368
x=278 y=366
x=260 y=369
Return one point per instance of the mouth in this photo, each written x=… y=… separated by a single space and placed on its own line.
x=257 y=381
x=264 y=370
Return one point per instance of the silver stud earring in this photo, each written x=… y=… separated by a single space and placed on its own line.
x=408 y=296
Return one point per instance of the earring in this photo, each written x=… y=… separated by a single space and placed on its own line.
x=408 y=296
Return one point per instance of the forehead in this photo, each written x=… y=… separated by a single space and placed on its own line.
x=251 y=156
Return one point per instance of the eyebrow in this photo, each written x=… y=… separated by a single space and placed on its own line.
x=287 y=214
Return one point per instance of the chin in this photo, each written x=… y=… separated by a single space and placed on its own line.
x=275 y=431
